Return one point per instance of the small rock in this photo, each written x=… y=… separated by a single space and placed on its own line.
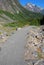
x=35 y=45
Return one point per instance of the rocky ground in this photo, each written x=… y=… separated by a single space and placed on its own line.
x=34 y=48
x=5 y=32
x=34 y=53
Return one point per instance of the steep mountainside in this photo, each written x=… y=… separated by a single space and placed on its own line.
x=9 y=5
x=12 y=11
x=42 y=11
x=34 y=8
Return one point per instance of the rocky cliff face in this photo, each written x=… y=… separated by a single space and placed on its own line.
x=9 y=5
x=34 y=8
x=11 y=10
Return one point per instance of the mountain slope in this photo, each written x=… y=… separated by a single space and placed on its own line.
x=34 y=8
x=42 y=11
x=12 y=11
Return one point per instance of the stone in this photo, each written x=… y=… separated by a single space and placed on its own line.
x=35 y=45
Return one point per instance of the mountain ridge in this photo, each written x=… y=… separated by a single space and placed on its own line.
x=16 y=12
x=34 y=8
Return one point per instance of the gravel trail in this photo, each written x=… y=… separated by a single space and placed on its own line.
x=12 y=51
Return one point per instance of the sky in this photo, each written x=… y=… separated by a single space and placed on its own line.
x=39 y=3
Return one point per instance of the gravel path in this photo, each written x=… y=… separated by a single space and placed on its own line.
x=12 y=51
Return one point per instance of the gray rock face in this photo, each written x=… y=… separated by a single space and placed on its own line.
x=34 y=8
x=9 y=5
